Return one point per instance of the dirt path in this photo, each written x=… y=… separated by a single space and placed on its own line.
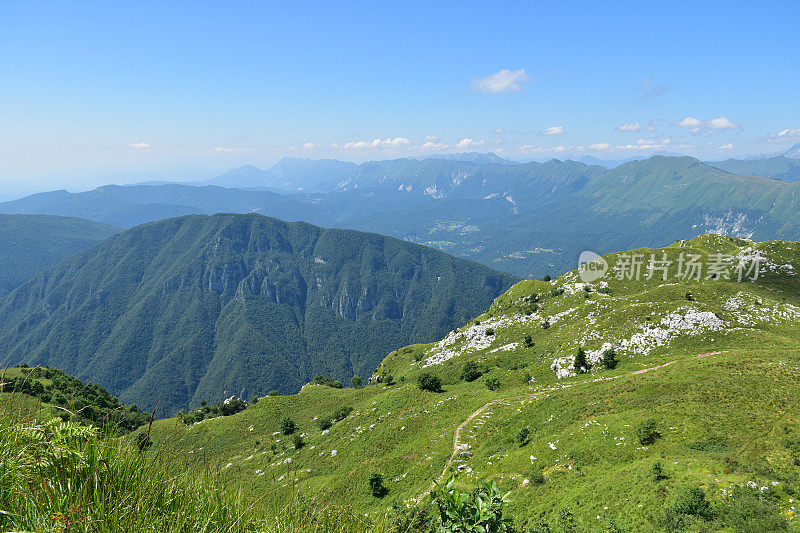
x=459 y=446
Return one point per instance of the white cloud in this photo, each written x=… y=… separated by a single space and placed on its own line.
x=553 y=130
x=334 y=145
x=630 y=126
x=226 y=150
x=696 y=125
x=397 y=142
x=310 y=146
x=469 y=143
x=504 y=81
x=791 y=134
x=721 y=123
x=139 y=145
x=431 y=138
x=499 y=131
x=433 y=145
x=728 y=146
x=599 y=146
x=689 y=122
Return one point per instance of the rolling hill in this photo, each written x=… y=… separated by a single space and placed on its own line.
x=699 y=406
x=32 y=243
x=201 y=307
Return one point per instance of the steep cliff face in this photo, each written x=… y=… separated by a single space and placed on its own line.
x=193 y=308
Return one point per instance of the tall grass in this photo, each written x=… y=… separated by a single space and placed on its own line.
x=61 y=476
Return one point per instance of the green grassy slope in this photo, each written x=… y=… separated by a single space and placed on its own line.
x=200 y=308
x=32 y=243
x=717 y=370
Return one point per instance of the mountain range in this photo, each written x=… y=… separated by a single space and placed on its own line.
x=528 y=219
x=201 y=307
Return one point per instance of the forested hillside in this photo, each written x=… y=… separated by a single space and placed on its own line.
x=200 y=308
x=31 y=243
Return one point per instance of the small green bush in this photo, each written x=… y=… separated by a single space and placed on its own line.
x=297 y=441
x=376 y=486
x=357 y=382
x=288 y=426
x=657 y=471
x=492 y=383
x=324 y=423
x=429 y=382
x=528 y=341
x=342 y=413
x=647 y=432
x=471 y=371
x=523 y=436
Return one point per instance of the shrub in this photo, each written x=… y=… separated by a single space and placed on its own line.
x=387 y=379
x=288 y=426
x=657 y=471
x=747 y=509
x=328 y=382
x=492 y=383
x=471 y=371
x=231 y=406
x=376 y=486
x=429 y=382
x=528 y=341
x=523 y=436
x=691 y=501
x=254 y=400
x=324 y=423
x=546 y=277
x=342 y=413
x=537 y=477
x=479 y=511
x=609 y=360
x=273 y=393
x=490 y=331
x=647 y=432
x=298 y=442
x=690 y=296
x=357 y=382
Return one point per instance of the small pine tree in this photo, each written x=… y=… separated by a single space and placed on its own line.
x=657 y=471
x=376 y=486
x=298 y=441
x=609 y=361
x=581 y=364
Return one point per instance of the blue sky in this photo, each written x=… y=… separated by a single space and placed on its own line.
x=97 y=92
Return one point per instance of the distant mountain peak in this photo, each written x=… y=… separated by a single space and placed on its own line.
x=793 y=152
